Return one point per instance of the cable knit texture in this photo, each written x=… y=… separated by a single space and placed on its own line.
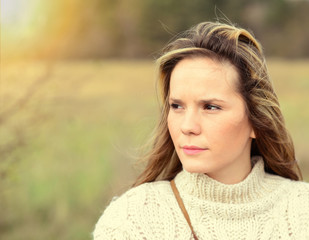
x=263 y=206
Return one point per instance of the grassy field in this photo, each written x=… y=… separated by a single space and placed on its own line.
x=79 y=132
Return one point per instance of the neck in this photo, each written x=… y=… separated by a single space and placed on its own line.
x=232 y=174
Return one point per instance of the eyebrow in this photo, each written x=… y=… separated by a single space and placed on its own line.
x=202 y=101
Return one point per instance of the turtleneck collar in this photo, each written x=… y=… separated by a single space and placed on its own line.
x=256 y=185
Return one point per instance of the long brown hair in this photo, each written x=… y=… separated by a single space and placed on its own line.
x=224 y=42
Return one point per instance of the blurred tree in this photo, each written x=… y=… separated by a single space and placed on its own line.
x=137 y=28
x=14 y=129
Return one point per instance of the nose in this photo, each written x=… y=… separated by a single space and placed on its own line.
x=191 y=124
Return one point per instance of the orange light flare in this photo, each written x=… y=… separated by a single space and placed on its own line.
x=37 y=29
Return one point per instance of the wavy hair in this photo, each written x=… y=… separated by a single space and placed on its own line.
x=222 y=42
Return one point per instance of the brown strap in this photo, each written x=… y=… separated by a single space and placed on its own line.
x=182 y=207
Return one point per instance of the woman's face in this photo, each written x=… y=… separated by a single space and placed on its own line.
x=207 y=120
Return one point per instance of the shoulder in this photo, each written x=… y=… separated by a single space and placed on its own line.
x=297 y=208
x=296 y=190
x=300 y=192
x=291 y=192
x=118 y=217
x=299 y=188
x=287 y=184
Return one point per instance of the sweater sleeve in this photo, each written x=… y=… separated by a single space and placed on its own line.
x=112 y=223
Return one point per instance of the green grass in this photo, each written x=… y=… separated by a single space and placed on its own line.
x=79 y=131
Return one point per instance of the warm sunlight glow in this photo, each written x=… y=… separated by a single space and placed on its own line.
x=36 y=28
x=20 y=22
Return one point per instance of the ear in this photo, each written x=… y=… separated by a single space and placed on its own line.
x=252 y=134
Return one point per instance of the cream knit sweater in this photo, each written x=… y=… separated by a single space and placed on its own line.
x=263 y=206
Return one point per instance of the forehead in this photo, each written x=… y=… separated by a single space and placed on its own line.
x=204 y=75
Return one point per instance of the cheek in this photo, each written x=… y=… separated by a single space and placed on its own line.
x=234 y=130
x=173 y=126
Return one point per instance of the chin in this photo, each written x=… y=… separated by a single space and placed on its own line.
x=195 y=168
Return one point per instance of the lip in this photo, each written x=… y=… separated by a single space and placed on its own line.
x=192 y=150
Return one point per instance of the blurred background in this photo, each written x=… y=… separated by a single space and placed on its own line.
x=78 y=98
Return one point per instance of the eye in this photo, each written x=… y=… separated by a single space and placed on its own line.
x=211 y=107
x=175 y=106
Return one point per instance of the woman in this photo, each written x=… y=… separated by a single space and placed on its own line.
x=222 y=165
